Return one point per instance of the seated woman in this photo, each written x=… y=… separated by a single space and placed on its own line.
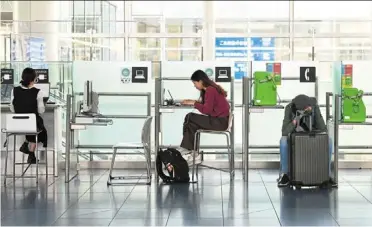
x=214 y=107
x=28 y=99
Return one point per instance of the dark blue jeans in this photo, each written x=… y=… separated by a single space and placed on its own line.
x=284 y=152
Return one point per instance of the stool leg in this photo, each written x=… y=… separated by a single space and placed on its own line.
x=14 y=157
x=232 y=155
x=54 y=163
x=6 y=158
x=112 y=165
x=196 y=149
x=198 y=152
x=148 y=164
x=37 y=160
x=229 y=152
x=46 y=162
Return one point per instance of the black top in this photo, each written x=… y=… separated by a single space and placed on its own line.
x=25 y=100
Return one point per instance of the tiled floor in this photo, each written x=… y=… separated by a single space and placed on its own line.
x=214 y=201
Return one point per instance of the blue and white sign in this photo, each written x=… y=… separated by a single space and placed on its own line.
x=35 y=52
x=228 y=42
x=263 y=55
x=237 y=48
x=262 y=42
x=240 y=69
x=230 y=53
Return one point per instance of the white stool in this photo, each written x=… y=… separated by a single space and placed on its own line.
x=145 y=145
x=16 y=125
x=227 y=133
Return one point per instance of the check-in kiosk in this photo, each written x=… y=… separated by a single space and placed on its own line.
x=52 y=118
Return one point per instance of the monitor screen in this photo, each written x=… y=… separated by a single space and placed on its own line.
x=88 y=94
x=6 y=91
x=45 y=88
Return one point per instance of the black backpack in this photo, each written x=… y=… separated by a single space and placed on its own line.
x=180 y=170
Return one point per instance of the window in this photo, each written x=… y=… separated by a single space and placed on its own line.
x=184 y=25
x=169 y=9
x=146 y=42
x=183 y=55
x=332 y=10
x=251 y=9
x=147 y=25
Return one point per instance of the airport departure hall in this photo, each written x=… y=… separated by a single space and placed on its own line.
x=186 y=113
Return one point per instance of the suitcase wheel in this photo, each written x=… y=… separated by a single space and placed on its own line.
x=297 y=187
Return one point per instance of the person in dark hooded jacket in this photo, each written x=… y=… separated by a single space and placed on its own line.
x=293 y=122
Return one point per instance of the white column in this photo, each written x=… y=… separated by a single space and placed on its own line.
x=291 y=30
x=208 y=31
x=38 y=19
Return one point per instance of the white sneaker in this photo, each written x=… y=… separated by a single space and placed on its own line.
x=183 y=151
x=197 y=159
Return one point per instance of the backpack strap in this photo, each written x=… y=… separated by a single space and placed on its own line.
x=160 y=171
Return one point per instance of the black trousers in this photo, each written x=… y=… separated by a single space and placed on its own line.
x=194 y=122
x=42 y=137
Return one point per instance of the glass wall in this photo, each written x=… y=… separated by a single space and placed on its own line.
x=337 y=31
x=91 y=18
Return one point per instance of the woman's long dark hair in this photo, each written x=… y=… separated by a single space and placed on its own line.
x=28 y=76
x=200 y=75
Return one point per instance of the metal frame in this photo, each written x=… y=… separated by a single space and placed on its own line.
x=229 y=151
x=14 y=158
x=160 y=105
x=145 y=146
x=336 y=119
x=71 y=116
x=247 y=106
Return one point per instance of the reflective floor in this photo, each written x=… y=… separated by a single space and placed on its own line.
x=214 y=201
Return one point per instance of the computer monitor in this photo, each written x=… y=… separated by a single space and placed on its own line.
x=88 y=96
x=45 y=89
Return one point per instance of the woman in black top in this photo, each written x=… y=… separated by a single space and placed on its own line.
x=28 y=99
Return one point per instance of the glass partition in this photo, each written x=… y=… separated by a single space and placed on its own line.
x=108 y=77
x=60 y=75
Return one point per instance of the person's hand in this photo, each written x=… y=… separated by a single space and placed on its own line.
x=188 y=102
x=294 y=122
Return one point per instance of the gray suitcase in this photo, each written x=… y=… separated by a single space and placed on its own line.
x=309 y=159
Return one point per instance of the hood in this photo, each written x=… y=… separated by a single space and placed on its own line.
x=303 y=101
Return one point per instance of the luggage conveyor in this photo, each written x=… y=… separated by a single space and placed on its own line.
x=247 y=108
x=76 y=121
x=336 y=127
x=161 y=108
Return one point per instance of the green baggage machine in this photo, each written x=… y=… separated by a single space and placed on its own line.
x=353 y=108
x=265 y=85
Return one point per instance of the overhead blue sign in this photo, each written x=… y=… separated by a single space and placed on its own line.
x=227 y=42
x=262 y=42
x=263 y=55
x=230 y=53
x=237 y=47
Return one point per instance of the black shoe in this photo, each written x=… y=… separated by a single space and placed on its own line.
x=332 y=183
x=24 y=148
x=283 y=181
x=31 y=158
